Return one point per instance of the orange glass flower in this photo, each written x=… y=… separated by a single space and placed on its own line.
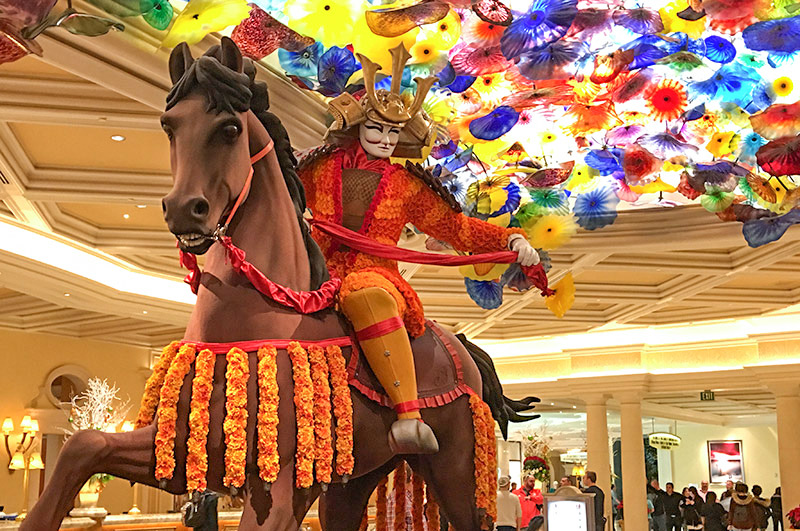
x=667 y=100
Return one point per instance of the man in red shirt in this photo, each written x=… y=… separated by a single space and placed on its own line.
x=530 y=498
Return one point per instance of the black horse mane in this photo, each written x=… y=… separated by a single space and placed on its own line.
x=227 y=90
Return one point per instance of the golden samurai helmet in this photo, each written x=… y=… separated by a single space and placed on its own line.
x=385 y=107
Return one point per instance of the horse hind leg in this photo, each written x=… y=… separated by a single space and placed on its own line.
x=124 y=455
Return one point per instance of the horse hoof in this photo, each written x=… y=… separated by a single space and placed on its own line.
x=267 y=487
x=162 y=484
x=345 y=479
x=324 y=487
x=234 y=491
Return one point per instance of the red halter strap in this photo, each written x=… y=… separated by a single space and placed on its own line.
x=246 y=188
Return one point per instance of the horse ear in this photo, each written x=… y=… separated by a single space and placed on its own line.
x=179 y=61
x=231 y=56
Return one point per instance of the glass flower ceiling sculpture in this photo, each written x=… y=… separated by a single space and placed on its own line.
x=554 y=114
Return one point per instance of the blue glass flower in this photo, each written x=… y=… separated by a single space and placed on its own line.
x=461 y=83
x=719 y=50
x=486 y=293
x=780 y=35
x=495 y=124
x=750 y=143
x=779 y=59
x=762 y=231
x=302 y=63
x=545 y=22
x=334 y=70
x=605 y=161
x=551 y=61
x=597 y=208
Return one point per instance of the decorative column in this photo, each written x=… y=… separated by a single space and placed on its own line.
x=597 y=448
x=787 y=401
x=634 y=477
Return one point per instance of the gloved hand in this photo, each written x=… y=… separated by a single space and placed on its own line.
x=526 y=254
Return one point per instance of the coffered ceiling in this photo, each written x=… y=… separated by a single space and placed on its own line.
x=63 y=174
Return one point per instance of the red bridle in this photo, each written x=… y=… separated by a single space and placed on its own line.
x=221 y=228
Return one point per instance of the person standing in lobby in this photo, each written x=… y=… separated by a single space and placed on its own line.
x=776 y=506
x=657 y=495
x=715 y=518
x=672 y=508
x=762 y=507
x=509 y=510
x=742 y=514
x=530 y=498
x=590 y=487
x=703 y=492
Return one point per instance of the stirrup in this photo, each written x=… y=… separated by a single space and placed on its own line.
x=412 y=436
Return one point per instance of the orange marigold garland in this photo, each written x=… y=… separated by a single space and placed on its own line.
x=168 y=412
x=485 y=457
x=235 y=425
x=268 y=400
x=399 y=485
x=197 y=457
x=343 y=410
x=417 y=501
x=431 y=509
x=380 y=505
x=323 y=439
x=152 y=390
x=303 y=406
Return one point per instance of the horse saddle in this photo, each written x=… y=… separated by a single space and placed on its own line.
x=440 y=379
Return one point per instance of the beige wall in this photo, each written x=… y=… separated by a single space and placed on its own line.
x=27 y=359
x=759 y=443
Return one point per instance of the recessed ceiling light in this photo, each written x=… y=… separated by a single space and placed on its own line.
x=126 y=216
x=144 y=312
x=117 y=138
x=66 y=294
x=141 y=206
x=574 y=407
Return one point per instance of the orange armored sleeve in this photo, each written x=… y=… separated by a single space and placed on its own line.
x=432 y=215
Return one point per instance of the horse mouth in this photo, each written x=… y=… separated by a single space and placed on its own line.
x=195 y=243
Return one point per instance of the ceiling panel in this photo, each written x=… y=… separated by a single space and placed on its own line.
x=113 y=215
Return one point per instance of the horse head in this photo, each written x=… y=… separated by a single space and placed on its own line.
x=207 y=121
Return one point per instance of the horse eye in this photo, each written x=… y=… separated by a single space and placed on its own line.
x=231 y=132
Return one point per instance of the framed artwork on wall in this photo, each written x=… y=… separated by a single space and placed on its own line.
x=725 y=461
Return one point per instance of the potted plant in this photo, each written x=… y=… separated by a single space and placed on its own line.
x=794 y=517
x=97 y=408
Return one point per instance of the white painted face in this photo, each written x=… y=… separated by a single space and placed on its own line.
x=378 y=140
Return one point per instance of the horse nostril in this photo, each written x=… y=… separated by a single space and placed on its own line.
x=164 y=207
x=200 y=208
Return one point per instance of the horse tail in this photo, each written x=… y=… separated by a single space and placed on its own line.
x=504 y=409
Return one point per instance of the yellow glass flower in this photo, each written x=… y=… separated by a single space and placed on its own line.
x=330 y=22
x=783 y=86
x=672 y=166
x=551 y=232
x=423 y=51
x=492 y=87
x=673 y=23
x=653 y=187
x=564 y=296
x=582 y=179
x=483 y=271
x=722 y=144
x=376 y=47
x=548 y=137
x=201 y=17
x=445 y=33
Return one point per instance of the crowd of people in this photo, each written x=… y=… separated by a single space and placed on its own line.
x=738 y=508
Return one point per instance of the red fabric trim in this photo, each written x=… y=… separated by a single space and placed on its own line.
x=359 y=242
x=255 y=344
x=449 y=346
x=379 y=329
x=405 y=407
x=356 y=158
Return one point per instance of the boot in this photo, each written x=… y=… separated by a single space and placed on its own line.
x=384 y=341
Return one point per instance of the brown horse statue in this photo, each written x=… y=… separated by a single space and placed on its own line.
x=217 y=118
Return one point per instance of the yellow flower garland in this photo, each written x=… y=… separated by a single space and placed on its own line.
x=152 y=390
x=235 y=425
x=485 y=457
x=303 y=404
x=268 y=400
x=323 y=447
x=168 y=413
x=197 y=456
x=343 y=410
x=380 y=505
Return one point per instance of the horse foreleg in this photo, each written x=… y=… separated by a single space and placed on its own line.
x=341 y=508
x=282 y=508
x=125 y=455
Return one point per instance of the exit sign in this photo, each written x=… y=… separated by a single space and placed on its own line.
x=707 y=395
